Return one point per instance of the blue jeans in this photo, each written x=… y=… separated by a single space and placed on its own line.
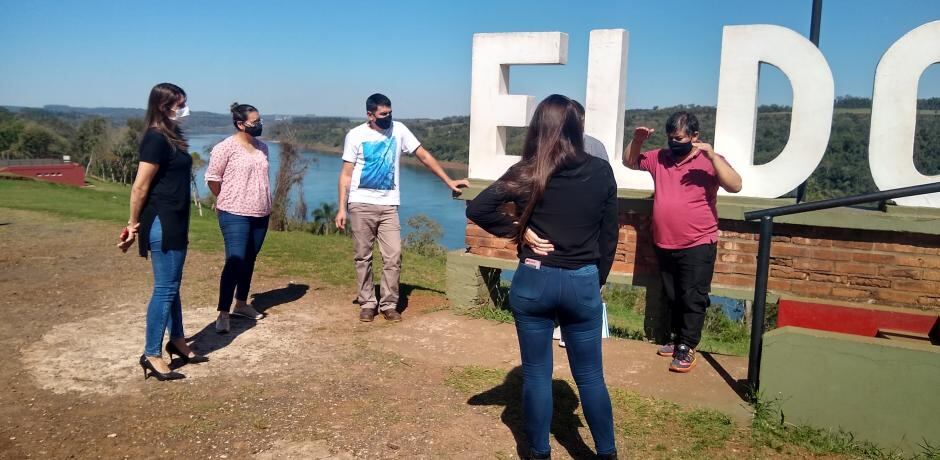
x=538 y=298
x=243 y=237
x=165 y=310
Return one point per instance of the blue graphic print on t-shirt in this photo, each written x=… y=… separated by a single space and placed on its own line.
x=378 y=172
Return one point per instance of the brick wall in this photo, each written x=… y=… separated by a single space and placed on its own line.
x=879 y=267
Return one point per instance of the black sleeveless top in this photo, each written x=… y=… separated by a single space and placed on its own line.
x=169 y=194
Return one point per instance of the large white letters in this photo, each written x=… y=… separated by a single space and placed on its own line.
x=743 y=48
x=491 y=106
x=894 y=113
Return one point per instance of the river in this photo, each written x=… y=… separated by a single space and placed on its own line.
x=421 y=191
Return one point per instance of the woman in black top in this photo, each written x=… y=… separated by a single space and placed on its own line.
x=569 y=198
x=160 y=215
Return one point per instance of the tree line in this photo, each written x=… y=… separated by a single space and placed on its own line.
x=106 y=145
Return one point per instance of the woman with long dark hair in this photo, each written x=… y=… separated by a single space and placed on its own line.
x=159 y=214
x=568 y=197
x=238 y=176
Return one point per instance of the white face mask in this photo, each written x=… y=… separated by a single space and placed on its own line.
x=181 y=112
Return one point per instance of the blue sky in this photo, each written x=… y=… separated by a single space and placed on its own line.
x=325 y=58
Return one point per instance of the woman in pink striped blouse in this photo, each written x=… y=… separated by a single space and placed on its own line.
x=238 y=176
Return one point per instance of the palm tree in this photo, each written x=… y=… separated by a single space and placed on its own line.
x=324 y=218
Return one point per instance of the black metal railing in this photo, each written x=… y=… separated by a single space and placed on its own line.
x=766 y=217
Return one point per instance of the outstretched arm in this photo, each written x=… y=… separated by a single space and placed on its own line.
x=431 y=163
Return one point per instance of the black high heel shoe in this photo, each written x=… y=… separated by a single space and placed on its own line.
x=148 y=366
x=172 y=350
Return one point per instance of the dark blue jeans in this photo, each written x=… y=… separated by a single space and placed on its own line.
x=538 y=298
x=243 y=237
x=165 y=310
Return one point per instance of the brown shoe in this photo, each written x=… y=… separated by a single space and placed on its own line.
x=391 y=315
x=366 y=315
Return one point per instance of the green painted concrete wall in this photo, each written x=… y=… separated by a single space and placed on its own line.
x=882 y=390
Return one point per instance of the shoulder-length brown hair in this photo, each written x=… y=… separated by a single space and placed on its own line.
x=159 y=108
x=555 y=138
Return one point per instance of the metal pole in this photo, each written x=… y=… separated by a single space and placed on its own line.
x=813 y=37
x=760 y=301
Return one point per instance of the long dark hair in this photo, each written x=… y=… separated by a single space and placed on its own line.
x=555 y=138
x=162 y=99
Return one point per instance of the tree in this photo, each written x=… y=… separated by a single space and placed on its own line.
x=36 y=141
x=91 y=142
x=126 y=150
x=425 y=236
x=290 y=175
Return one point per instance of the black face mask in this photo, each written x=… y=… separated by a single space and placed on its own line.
x=679 y=149
x=254 y=131
x=384 y=123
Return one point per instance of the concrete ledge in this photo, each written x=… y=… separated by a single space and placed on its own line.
x=896 y=219
x=881 y=390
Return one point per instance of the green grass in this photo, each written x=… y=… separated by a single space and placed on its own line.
x=652 y=428
x=326 y=257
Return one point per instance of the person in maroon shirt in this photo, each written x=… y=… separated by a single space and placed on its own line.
x=686 y=178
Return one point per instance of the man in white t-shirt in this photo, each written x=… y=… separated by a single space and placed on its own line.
x=369 y=198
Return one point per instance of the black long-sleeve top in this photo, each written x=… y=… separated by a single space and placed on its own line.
x=577 y=213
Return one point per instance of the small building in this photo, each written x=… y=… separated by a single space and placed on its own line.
x=61 y=171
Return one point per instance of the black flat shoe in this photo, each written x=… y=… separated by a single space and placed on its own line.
x=148 y=366
x=196 y=359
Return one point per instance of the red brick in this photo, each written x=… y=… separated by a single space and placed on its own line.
x=905 y=248
x=901 y=272
x=620 y=267
x=781 y=261
x=505 y=254
x=929 y=301
x=870 y=282
x=786 y=250
x=916 y=285
x=849 y=293
x=788 y=274
x=856 y=269
x=486 y=252
x=815 y=242
x=814 y=264
x=810 y=288
x=724 y=279
x=825 y=278
x=780 y=239
x=875 y=258
x=831 y=254
x=896 y=297
x=922 y=261
x=737 y=258
x=861 y=245
x=778 y=284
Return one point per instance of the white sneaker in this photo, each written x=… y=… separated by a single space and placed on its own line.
x=247 y=311
x=557 y=334
x=222 y=325
x=561 y=343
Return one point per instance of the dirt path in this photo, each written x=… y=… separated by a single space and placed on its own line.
x=308 y=381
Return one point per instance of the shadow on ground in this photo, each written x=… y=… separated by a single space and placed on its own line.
x=565 y=422
x=208 y=341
